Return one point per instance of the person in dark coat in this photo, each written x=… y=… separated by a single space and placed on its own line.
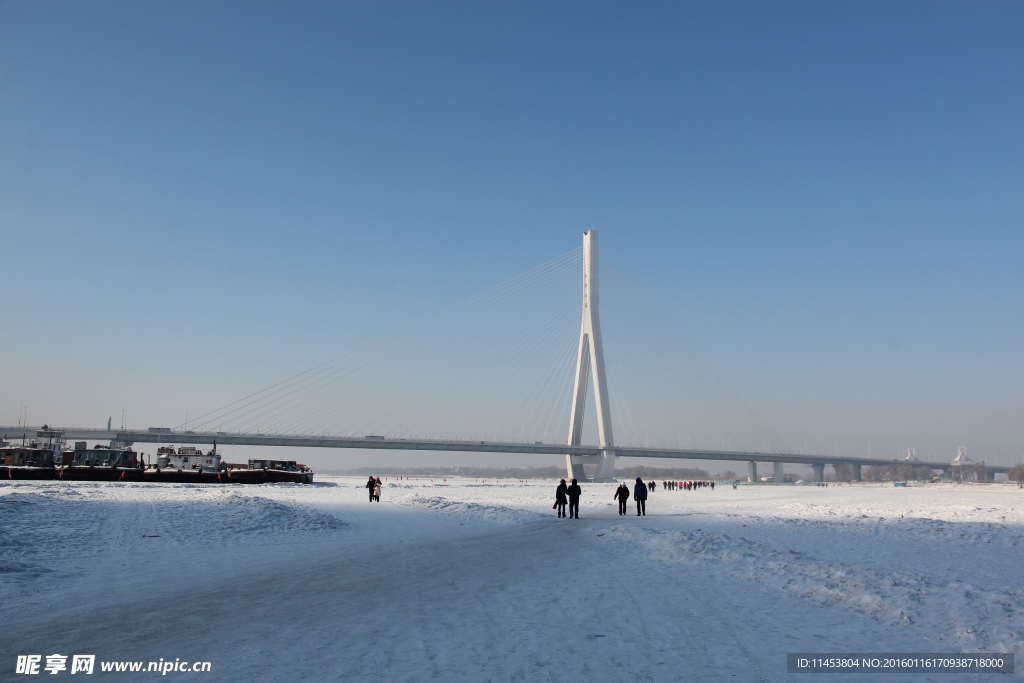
x=574 y=492
x=561 y=498
x=622 y=495
x=640 y=496
x=372 y=484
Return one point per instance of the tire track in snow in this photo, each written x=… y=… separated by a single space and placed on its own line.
x=653 y=603
x=645 y=636
x=737 y=641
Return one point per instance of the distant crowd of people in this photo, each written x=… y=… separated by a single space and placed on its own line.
x=687 y=485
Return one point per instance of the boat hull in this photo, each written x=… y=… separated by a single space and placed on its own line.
x=172 y=476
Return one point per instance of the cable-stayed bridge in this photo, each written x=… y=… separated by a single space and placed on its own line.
x=817 y=462
x=537 y=365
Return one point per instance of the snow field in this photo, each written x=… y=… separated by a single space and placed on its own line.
x=477 y=580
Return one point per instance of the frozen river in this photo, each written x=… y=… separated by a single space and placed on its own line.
x=467 y=580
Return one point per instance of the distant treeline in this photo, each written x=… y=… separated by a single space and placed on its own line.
x=659 y=473
x=484 y=472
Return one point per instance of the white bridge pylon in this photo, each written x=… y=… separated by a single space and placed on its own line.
x=590 y=363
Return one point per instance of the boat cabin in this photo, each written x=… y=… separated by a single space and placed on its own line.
x=30 y=455
x=103 y=456
x=281 y=465
x=188 y=458
x=44 y=450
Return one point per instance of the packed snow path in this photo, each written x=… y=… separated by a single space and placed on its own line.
x=482 y=583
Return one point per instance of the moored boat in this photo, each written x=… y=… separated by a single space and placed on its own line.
x=45 y=457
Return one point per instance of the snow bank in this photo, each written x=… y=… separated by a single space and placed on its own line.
x=961 y=615
x=236 y=513
x=468 y=511
x=53 y=533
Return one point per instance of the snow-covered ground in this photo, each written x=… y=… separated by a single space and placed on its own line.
x=479 y=581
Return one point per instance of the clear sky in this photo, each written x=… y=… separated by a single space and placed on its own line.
x=200 y=198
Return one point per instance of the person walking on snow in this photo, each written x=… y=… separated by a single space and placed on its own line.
x=622 y=495
x=561 y=498
x=372 y=484
x=574 y=492
x=376 y=490
x=640 y=496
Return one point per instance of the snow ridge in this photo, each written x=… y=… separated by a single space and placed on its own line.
x=967 y=617
x=469 y=511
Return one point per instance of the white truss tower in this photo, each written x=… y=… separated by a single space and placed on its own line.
x=590 y=362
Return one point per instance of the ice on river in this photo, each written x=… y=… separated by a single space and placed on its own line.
x=477 y=580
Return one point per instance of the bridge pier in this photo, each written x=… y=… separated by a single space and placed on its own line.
x=752 y=472
x=856 y=473
x=777 y=473
x=574 y=467
x=819 y=471
x=604 y=466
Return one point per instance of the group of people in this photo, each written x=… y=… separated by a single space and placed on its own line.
x=374 y=486
x=687 y=485
x=569 y=494
x=640 y=490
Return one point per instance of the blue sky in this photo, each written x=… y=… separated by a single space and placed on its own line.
x=197 y=199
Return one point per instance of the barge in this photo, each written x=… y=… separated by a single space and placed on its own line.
x=46 y=457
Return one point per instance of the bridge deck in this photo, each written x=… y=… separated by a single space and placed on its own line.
x=310 y=441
